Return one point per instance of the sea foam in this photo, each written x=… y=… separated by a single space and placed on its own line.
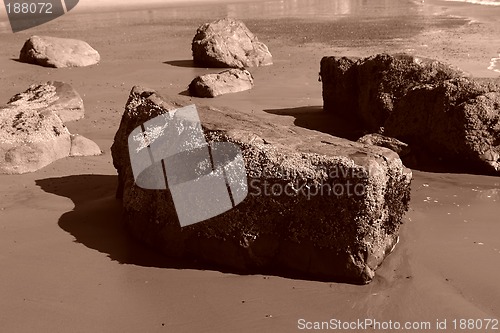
x=495 y=64
x=480 y=2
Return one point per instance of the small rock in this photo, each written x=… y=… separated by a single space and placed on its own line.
x=229 y=81
x=32 y=133
x=58 y=52
x=81 y=146
x=30 y=140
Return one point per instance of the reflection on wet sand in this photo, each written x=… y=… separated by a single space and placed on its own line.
x=317 y=9
x=273 y=9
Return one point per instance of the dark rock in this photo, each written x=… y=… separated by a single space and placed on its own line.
x=457 y=121
x=56 y=96
x=228 y=81
x=58 y=52
x=429 y=105
x=32 y=134
x=321 y=228
x=228 y=43
x=368 y=88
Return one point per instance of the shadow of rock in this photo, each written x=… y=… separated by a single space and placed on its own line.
x=96 y=220
x=185 y=93
x=182 y=63
x=314 y=118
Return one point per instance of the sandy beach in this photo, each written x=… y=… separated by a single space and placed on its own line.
x=68 y=264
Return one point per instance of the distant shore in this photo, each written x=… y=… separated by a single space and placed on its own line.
x=69 y=265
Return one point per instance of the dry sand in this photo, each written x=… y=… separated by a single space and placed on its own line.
x=67 y=264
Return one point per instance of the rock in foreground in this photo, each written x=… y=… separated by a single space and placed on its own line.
x=433 y=107
x=318 y=206
x=32 y=134
x=58 y=52
x=228 y=43
x=229 y=81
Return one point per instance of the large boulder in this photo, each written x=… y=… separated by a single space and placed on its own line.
x=228 y=43
x=57 y=96
x=58 y=52
x=456 y=120
x=369 y=88
x=317 y=206
x=433 y=107
x=32 y=134
x=229 y=81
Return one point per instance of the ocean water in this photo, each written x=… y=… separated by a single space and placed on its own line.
x=389 y=18
x=480 y=2
x=381 y=19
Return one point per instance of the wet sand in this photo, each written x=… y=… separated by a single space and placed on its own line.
x=68 y=264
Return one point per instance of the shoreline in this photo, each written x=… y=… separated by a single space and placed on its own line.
x=129 y=5
x=329 y=26
x=479 y=2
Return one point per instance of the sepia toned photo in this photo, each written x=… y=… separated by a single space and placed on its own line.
x=250 y=166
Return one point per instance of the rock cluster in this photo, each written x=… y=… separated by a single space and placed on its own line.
x=32 y=132
x=317 y=206
x=229 y=81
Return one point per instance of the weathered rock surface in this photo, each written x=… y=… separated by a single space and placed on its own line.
x=432 y=107
x=336 y=218
x=55 y=96
x=229 y=81
x=32 y=134
x=58 y=52
x=395 y=145
x=228 y=43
